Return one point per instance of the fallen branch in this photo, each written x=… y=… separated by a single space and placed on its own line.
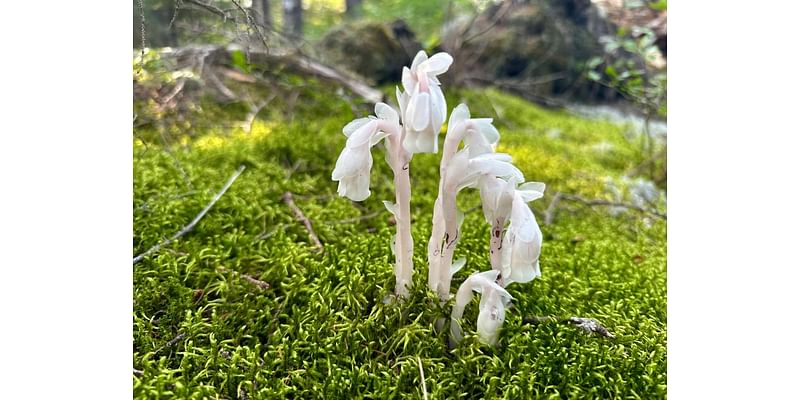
x=298 y=214
x=186 y=229
x=590 y=325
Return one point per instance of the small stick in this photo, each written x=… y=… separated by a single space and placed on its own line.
x=186 y=229
x=550 y=213
x=171 y=343
x=598 y=202
x=249 y=278
x=590 y=325
x=355 y=219
x=138 y=372
x=261 y=284
x=422 y=378
x=298 y=214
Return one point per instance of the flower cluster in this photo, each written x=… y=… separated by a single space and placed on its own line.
x=516 y=239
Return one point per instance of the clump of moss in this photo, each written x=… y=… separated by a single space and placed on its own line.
x=321 y=328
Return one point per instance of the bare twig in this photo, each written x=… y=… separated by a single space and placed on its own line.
x=590 y=325
x=600 y=202
x=254 y=110
x=298 y=214
x=261 y=284
x=355 y=219
x=502 y=13
x=249 y=278
x=422 y=378
x=550 y=213
x=169 y=344
x=138 y=372
x=208 y=7
x=186 y=229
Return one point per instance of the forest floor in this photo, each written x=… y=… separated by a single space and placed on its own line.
x=247 y=305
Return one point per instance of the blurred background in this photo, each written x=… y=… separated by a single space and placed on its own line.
x=557 y=53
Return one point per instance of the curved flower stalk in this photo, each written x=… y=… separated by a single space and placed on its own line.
x=462 y=172
x=479 y=137
x=423 y=104
x=353 y=173
x=498 y=198
x=494 y=300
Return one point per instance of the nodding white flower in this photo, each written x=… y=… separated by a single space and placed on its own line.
x=355 y=162
x=500 y=199
x=478 y=134
x=522 y=242
x=423 y=104
x=463 y=171
x=492 y=309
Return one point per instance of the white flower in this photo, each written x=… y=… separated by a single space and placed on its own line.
x=494 y=300
x=423 y=104
x=522 y=242
x=463 y=171
x=355 y=162
x=479 y=135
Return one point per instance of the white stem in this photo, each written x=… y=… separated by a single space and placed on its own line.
x=496 y=246
x=451 y=236
x=404 y=245
x=438 y=266
x=435 y=245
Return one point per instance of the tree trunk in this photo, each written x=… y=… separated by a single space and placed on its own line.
x=261 y=13
x=293 y=18
x=352 y=8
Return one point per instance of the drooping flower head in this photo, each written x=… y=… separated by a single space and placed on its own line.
x=478 y=134
x=465 y=171
x=355 y=162
x=522 y=243
x=422 y=103
x=492 y=311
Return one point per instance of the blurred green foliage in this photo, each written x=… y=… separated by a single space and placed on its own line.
x=629 y=66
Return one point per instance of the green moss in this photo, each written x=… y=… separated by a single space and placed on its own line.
x=322 y=329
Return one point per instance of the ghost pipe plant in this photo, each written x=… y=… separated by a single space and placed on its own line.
x=479 y=137
x=515 y=252
x=423 y=110
x=494 y=300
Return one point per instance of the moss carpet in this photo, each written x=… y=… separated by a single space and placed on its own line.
x=245 y=307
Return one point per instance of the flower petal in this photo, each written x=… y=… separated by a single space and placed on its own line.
x=363 y=134
x=531 y=191
x=438 y=64
x=420 y=119
x=408 y=80
x=457 y=265
x=427 y=142
x=418 y=59
x=523 y=223
x=459 y=115
x=353 y=125
x=486 y=129
x=386 y=112
x=438 y=108
x=391 y=207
